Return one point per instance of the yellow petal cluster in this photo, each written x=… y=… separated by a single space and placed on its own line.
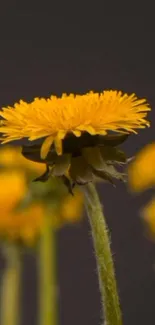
x=54 y=118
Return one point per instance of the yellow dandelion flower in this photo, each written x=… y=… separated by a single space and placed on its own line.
x=54 y=118
x=142 y=170
x=73 y=130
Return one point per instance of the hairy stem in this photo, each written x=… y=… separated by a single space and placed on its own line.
x=106 y=274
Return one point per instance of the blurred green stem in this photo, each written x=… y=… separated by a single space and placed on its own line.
x=10 y=289
x=47 y=277
x=107 y=282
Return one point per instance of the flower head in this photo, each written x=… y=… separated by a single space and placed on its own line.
x=71 y=129
x=55 y=118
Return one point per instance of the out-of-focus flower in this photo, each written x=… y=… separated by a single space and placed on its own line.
x=73 y=131
x=23 y=226
x=67 y=210
x=71 y=207
x=23 y=208
x=12 y=189
x=11 y=158
x=142 y=170
x=148 y=213
x=141 y=174
x=17 y=224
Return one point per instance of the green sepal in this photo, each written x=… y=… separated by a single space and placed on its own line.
x=112 y=154
x=109 y=173
x=104 y=176
x=44 y=177
x=68 y=183
x=61 y=165
x=112 y=139
x=80 y=171
x=33 y=153
x=93 y=157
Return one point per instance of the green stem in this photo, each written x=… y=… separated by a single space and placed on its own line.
x=47 y=277
x=10 y=289
x=107 y=282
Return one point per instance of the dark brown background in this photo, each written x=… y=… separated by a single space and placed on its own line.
x=53 y=47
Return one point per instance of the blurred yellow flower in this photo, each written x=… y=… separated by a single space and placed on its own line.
x=148 y=214
x=17 y=224
x=142 y=170
x=55 y=118
x=141 y=174
x=67 y=211
x=25 y=223
x=12 y=189
x=71 y=207
x=11 y=157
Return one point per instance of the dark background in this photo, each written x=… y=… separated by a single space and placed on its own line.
x=53 y=47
